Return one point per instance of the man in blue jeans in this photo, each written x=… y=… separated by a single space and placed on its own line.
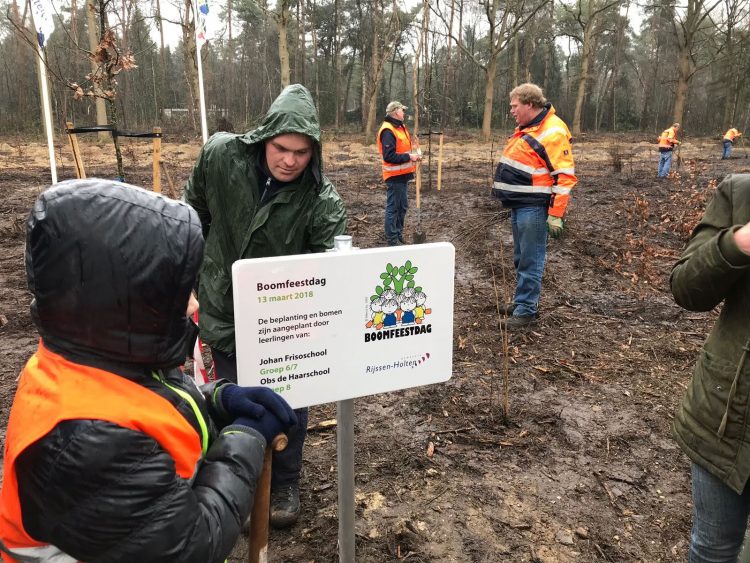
x=667 y=142
x=534 y=179
x=399 y=159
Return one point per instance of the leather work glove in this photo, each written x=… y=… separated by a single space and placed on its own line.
x=554 y=226
x=256 y=403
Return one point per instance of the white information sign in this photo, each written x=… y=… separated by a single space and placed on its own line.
x=319 y=328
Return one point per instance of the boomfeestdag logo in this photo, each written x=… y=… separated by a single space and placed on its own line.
x=398 y=308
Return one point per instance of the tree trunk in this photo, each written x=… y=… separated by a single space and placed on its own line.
x=581 y=94
x=101 y=110
x=448 y=69
x=489 y=93
x=301 y=47
x=337 y=102
x=515 y=64
x=683 y=81
x=282 y=25
x=190 y=61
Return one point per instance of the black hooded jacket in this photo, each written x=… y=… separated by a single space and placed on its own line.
x=111 y=267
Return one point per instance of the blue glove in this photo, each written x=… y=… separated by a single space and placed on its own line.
x=256 y=403
x=268 y=425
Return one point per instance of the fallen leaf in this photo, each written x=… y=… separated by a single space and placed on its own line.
x=330 y=423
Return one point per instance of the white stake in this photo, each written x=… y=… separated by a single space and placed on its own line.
x=41 y=60
x=198 y=45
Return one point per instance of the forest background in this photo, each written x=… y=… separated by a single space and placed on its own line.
x=456 y=60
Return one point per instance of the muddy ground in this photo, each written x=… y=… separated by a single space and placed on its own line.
x=582 y=467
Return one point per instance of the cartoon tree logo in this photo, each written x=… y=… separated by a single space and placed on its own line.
x=396 y=277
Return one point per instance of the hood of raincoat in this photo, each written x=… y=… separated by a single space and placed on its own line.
x=111 y=267
x=293 y=111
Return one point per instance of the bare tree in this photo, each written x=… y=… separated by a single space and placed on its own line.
x=505 y=19
x=588 y=23
x=688 y=31
x=386 y=33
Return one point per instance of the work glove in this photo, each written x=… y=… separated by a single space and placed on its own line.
x=554 y=226
x=257 y=407
x=269 y=425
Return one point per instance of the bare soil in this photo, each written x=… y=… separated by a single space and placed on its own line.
x=581 y=467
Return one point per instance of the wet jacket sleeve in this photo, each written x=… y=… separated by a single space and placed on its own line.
x=388 y=141
x=712 y=263
x=328 y=220
x=195 y=192
x=126 y=503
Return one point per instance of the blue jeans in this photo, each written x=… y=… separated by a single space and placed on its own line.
x=665 y=163
x=719 y=519
x=286 y=465
x=529 y=252
x=396 y=204
x=727 y=149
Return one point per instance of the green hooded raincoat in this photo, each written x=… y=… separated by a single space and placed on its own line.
x=303 y=216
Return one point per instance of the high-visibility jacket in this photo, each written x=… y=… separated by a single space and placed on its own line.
x=732 y=134
x=52 y=390
x=536 y=168
x=403 y=145
x=668 y=139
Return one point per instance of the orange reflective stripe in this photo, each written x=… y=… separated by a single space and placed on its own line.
x=403 y=145
x=52 y=389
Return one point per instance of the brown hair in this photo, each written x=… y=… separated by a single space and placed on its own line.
x=529 y=93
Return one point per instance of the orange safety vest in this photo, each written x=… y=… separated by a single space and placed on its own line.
x=51 y=390
x=667 y=139
x=403 y=145
x=731 y=135
x=543 y=154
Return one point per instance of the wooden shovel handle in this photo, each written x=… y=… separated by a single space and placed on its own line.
x=258 y=541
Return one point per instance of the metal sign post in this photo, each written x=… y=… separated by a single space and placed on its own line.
x=330 y=327
x=345 y=454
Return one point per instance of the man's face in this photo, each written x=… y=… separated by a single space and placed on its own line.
x=288 y=155
x=522 y=113
x=399 y=114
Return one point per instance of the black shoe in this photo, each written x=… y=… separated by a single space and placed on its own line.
x=507 y=308
x=517 y=322
x=401 y=239
x=285 y=506
x=395 y=243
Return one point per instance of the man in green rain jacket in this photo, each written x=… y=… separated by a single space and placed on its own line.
x=712 y=425
x=262 y=194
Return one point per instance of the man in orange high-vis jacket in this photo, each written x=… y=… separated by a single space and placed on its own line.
x=728 y=141
x=399 y=156
x=111 y=452
x=534 y=178
x=667 y=142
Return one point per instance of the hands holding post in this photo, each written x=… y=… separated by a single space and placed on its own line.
x=257 y=407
